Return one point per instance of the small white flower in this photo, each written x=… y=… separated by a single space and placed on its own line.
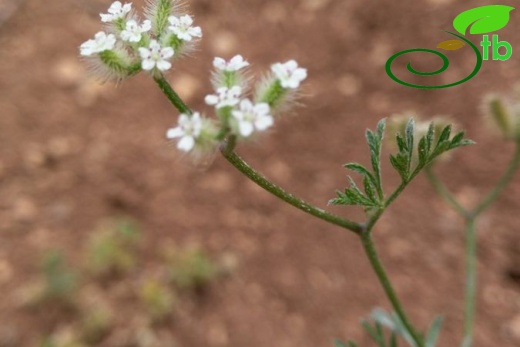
x=156 y=56
x=116 y=11
x=183 y=29
x=236 y=63
x=133 y=31
x=188 y=130
x=224 y=97
x=101 y=42
x=252 y=117
x=289 y=74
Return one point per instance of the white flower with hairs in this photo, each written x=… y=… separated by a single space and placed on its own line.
x=101 y=42
x=134 y=32
x=224 y=97
x=156 y=56
x=289 y=74
x=236 y=63
x=188 y=130
x=251 y=117
x=183 y=28
x=115 y=11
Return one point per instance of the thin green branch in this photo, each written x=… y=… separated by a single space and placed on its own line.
x=172 y=95
x=502 y=183
x=371 y=252
x=249 y=172
x=471 y=280
x=441 y=189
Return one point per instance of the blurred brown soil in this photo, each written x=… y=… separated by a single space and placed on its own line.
x=74 y=153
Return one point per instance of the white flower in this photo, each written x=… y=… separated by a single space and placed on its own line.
x=116 y=11
x=224 y=97
x=252 y=117
x=133 y=31
x=188 y=131
x=156 y=56
x=289 y=74
x=183 y=29
x=236 y=63
x=101 y=42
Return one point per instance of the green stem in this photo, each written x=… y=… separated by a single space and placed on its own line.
x=371 y=252
x=502 y=183
x=172 y=95
x=445 y=193
x=471 y=280
x=254 y=176
x=364 y=231
x=471 y=237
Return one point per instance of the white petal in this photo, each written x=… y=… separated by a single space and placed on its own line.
x=174 y=133
x=144 y=53
x=187 y=20
x=263 y=123
x=147 y=64
x=186 y=144
x=173 y=20
x=291 y=65
x=196 y=31
x=106 y=17
x=146 y=26
x=238 y=115
x=219 y=63
x=163 y=65
x=211 y=100
x=262 y=108
x=246 y=105
x=126 y=8
x=278 y=70
x=300 y=74
x=115 y=7
x=290 y=83
x=86 y=48
x=184 y=36
x=167 y=52
x=245 y=128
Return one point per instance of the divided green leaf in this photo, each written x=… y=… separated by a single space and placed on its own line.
x=373 y=191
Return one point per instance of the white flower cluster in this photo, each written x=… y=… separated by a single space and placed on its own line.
x=238 y=116
x=130 y=45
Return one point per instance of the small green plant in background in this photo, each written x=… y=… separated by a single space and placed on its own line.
x=57 y=283
x=111 y=254
x=112 y=248
x=96 y=323
x=129 y=46
x=158 y=299
x=60 y=280
x=191 y=269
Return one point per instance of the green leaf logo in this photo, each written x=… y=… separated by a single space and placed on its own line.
x=483 y=20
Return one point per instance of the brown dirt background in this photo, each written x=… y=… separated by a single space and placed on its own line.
x=74 y=152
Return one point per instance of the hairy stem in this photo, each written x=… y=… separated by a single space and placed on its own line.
x=371 y=252
x=272 y=188
x=174 y=98
x=364 y=231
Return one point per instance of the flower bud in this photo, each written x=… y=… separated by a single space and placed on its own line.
x=504 y=117
x=279 y=88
